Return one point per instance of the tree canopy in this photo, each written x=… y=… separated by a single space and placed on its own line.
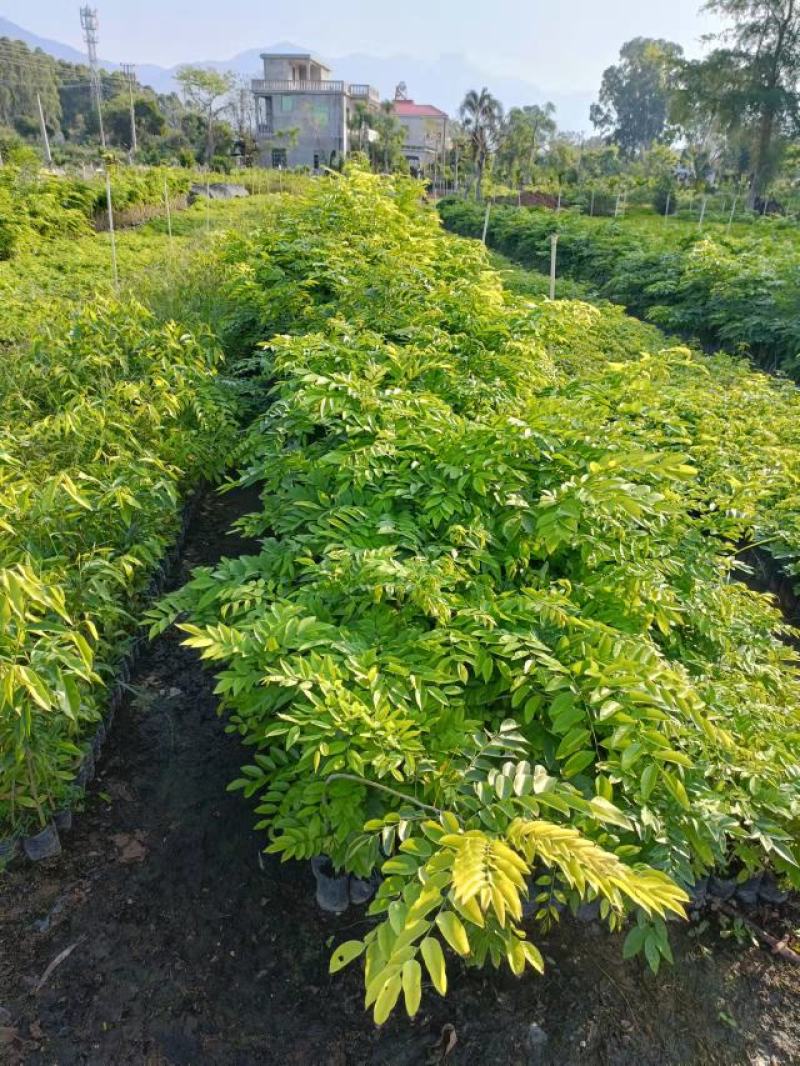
x=749 y=85
x=634 y=100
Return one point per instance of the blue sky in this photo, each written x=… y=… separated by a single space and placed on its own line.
x=564 y=44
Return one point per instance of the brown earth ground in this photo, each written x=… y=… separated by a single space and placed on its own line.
x=190 y=948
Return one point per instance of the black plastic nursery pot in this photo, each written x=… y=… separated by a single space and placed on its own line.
x=63 y=820
x=43 y=845
x=9 y=849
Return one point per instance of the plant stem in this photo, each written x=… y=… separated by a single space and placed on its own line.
x=381 y=788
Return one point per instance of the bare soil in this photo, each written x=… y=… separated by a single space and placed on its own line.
x=190 y=947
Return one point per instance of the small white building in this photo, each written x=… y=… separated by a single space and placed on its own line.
x=302 y=113
x=427 y=134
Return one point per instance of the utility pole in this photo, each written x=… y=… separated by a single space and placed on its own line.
x=129 y=70
x=89 y=27
x=47 y=157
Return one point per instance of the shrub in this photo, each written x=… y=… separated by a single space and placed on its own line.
x=489 y=644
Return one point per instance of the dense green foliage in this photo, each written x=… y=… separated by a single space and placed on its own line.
x=490 y=642
x=36 y=206
x=104 y=424
x=634 y=100
x=741 y=293
x=111 y=414
x=166 y=128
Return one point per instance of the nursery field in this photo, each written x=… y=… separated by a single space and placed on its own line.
x=739 y=290
x=492 y=622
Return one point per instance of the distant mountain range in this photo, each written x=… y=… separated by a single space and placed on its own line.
x=442 y=81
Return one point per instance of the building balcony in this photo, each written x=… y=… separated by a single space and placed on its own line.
x=365 y=92
x=273 y=85
x=264 y=129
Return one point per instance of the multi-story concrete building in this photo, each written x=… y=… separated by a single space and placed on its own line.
x=302 y=113
x=427 y=135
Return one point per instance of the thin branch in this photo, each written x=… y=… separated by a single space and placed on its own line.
x=778 y=947
x=382 y=788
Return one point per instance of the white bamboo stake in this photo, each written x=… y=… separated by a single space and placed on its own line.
x=486 y=221
x=666 y=209
x=591 y=205
x=733 y=212
x=111 y=230
x=553 y=258
x=169 y=216
x=702 y=212
x=47 y=156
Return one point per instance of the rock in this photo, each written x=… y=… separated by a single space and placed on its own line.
x=218 y=190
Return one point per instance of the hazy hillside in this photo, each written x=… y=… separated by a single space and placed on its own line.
x=442 y=81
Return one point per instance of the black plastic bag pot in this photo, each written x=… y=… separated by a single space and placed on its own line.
x=43 y=845
x=9 y=847
x=333 y=890
x=63 y=820
x=85 y=772
x=99 y=739
x=362 y=889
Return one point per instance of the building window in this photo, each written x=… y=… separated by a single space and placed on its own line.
x=316 y=160
x=279 y=157
x=264 y=114
x=287 y=104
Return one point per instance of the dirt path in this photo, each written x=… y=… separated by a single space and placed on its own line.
x=190 y=951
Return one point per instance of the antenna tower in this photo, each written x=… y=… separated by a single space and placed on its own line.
x=89 y=27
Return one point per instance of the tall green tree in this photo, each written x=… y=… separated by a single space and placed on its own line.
x=481 y=116
x=525 y=132
x=634 y=101
x=750 y=85
x=208 y=92
x=24 y=73
x=391 y=136
x=359 y=122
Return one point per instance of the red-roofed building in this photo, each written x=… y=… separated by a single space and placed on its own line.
x=426 y=133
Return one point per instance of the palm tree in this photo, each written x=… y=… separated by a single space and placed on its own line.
x=391 y=133
x=481 y=115
x=360 y=122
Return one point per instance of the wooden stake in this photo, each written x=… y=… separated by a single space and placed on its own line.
x=702 y=212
